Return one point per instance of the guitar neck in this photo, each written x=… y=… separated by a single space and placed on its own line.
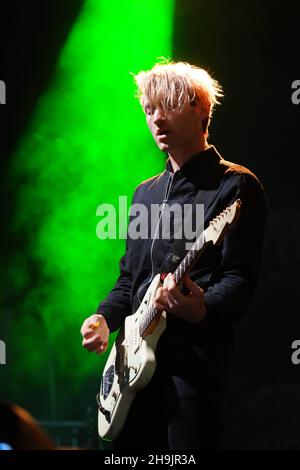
x=190 y=258
x=213 y=234
x=184 y=266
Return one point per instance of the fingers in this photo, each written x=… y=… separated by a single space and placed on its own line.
x=168 y=296
x=90 y=329
x=93 y=323
x=95 y=334
x=159 y=306
x=193 y=287
x=101 y=348
x=95 y=344
x=190 y=307
x=172 y=294
x=86 y=327
x=159 y=300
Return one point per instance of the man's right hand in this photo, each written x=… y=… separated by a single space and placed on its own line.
x=95 y=334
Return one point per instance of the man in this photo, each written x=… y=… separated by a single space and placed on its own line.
x=182 y=407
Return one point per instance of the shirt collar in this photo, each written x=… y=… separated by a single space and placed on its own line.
x=200 y=161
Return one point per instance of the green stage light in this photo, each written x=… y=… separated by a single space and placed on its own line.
x=87 y=144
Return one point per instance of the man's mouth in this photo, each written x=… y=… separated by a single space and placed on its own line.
x=162 y=132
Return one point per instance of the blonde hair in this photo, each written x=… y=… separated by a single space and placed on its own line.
x=170 y=85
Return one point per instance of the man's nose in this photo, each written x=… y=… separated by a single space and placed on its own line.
x=159 y=115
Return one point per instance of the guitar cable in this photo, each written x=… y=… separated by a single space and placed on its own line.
x=166 y=196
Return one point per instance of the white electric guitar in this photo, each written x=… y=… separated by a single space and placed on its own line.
x=131 y=362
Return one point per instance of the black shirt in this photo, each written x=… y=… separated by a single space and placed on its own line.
x=227 y=273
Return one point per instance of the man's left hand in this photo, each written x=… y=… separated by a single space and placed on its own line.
x=190 y=307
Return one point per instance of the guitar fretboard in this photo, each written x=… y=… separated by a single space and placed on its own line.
x=189 y=258
x=212 y=234
x=183 y=267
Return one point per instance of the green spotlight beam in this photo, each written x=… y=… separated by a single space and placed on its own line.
x=86 y=145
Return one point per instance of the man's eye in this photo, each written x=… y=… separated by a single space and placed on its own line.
x=148 y=111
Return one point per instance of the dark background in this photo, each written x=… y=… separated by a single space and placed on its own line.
x=252 y=48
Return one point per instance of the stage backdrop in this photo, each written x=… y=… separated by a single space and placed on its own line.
x=73 y=137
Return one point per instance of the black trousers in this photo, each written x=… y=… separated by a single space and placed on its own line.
x=180 y=409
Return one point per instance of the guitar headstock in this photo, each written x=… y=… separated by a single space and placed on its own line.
x=218 y=226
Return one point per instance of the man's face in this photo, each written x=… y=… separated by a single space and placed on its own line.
x=174 y=130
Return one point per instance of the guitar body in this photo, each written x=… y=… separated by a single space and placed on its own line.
x=129 y=367
x=131 y=363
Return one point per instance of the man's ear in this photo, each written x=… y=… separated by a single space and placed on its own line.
x=202 y=113
x=205 y=123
